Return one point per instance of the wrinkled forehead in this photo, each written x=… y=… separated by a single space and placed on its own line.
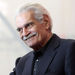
x=24 y=18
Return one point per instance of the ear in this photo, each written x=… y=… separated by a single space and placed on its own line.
x=46 y=21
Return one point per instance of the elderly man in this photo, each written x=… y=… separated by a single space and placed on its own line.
x=51 y=55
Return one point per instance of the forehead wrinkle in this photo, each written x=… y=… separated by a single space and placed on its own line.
x=24 y=18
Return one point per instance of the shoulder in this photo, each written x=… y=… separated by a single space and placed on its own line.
x=19 y=64
x=68 y=42
x=63 y=42
x=67 y=46
x=24 y=58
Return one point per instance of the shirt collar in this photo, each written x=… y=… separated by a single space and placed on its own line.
x=41 y=51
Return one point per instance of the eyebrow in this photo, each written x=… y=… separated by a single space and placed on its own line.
x=25 y=25
x=28 y=24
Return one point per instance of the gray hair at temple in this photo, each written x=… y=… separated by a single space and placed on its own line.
x=38 y=10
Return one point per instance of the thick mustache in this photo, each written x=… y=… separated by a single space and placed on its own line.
x=29 y=36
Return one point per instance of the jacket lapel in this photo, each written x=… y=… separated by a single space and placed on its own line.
x=28 y=65
x=48 y=57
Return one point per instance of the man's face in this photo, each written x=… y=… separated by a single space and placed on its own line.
x=32 y=32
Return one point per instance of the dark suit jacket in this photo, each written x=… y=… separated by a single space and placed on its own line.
x=59 y=59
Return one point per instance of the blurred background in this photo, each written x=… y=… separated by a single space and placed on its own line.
x=11 y=47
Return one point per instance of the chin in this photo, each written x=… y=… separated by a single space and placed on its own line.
x=33 y=42
x=33 y=45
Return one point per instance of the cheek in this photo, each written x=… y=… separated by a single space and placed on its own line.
x=37 y=30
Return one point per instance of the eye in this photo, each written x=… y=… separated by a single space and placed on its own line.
x=29 y=25
x=19 y=29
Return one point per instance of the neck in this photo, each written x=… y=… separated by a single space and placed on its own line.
x=36 y=48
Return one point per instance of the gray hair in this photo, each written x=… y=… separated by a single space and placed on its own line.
x=38 y=10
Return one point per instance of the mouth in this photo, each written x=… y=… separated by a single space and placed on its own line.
x=29 y=36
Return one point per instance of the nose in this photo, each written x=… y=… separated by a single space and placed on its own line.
x=25 y=32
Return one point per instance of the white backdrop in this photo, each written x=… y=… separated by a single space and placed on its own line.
x=11 y=47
